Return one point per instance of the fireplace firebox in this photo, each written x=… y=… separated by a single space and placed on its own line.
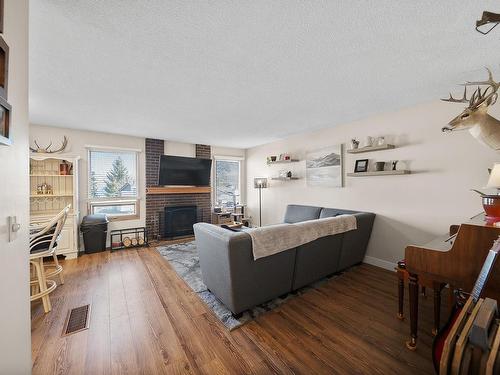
x=179 y=220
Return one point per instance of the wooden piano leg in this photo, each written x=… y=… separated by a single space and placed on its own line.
x=401 y=295
x=413 y=287
x=437 y=287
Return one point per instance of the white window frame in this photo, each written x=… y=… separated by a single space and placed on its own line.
x=107 y=201
x=239 y=159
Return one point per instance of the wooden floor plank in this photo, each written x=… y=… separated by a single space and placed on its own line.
x=145 y=319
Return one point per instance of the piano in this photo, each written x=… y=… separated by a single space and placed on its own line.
x=455 y=259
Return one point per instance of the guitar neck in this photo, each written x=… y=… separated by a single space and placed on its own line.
x=483 y=275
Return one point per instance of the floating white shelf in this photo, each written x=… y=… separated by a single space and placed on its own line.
x=283 y=161
x=284 y=178
x=379 y=173
x=370 y=149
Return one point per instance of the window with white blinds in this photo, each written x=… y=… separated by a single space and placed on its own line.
x=113 y=179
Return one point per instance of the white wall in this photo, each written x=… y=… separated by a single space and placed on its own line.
x=410 y=209
x=15 y=333
x=77 y=142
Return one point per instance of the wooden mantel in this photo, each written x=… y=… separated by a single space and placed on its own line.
x=178 y=190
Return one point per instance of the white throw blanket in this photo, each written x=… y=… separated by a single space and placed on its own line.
x=274 y=239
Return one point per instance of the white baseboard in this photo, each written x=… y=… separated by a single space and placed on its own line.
x=379 y=263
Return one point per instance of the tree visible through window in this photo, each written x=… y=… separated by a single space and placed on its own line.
x=113 y=182
x=227 y=182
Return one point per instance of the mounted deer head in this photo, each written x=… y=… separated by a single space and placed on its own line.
x=482 y=126
x=47 y=150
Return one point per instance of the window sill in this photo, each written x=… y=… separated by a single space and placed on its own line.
x=112 y=219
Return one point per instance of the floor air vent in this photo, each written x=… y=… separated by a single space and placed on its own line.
x=78 y=320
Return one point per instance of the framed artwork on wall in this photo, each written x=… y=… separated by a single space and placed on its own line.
x=4 y=68
x=5 y=109
x=325 y=166
x=361 y=165
x=1 y=15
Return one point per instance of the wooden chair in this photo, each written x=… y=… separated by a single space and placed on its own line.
x=43 y=243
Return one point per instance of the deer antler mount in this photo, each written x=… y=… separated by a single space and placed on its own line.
x=482 y=126
x=47 y=150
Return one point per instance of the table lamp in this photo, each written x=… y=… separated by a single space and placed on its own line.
x=260 y=183
x=491 y=203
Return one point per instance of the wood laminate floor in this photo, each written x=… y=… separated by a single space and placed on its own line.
x=146 y=320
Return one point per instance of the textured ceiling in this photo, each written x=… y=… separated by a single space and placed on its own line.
x=242 y=73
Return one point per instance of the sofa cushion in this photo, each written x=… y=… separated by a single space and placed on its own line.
x=296 y=213
x=317 y=259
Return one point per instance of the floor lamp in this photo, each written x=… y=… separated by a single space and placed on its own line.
x=260 y=183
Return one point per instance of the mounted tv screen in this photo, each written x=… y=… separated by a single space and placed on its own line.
x=179 y=170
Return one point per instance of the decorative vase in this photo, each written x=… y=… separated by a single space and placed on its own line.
x=491 y=205
x=369 y=141
x=379 y=166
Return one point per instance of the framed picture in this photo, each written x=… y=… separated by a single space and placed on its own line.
x=361 y=165
x=324 y=167
x=5 y=109
x=1 y=15
x=4 y=68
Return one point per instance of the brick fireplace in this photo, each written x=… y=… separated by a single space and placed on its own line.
x=157 y=202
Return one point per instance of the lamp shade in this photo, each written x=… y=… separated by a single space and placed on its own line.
x=260 y=183
x=494 y=180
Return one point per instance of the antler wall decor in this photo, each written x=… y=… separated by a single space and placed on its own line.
x=47 y=150
x=482 y=126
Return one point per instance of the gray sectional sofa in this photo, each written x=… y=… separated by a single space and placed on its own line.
x=240 y=282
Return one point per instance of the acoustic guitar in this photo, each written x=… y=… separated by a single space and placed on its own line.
x=448 y=343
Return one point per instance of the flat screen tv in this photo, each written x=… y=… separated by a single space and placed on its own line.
x=179 y=170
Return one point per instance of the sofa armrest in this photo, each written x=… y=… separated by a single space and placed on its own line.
x=214 y=245
x=231 y=273
x=355 y=242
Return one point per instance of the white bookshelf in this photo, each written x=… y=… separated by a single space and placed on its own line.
x=44 y=169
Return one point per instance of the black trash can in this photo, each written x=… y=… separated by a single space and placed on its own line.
x=95 y=231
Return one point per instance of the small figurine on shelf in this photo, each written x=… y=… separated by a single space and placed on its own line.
x=289 y=174
x=394 y=163
x=354 y=144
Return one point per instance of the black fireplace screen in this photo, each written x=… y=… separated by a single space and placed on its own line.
x=179 y=220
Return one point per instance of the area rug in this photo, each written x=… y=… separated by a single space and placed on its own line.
x=183 y=257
